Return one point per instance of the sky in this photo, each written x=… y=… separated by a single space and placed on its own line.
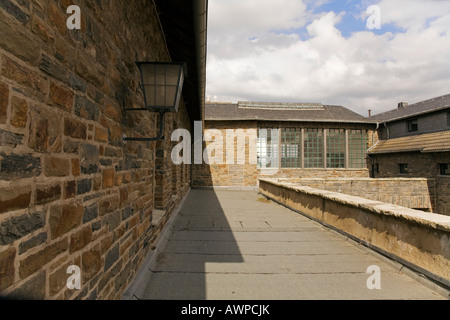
x=361 y=54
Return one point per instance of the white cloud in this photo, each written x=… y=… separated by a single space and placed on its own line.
x=249 y=61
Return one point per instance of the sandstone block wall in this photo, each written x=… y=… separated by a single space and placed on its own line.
x=413 y=193
x=71 y=191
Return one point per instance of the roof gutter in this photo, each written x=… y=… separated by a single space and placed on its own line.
x=200 y=26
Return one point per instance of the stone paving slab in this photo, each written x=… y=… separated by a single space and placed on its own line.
x=236 y=245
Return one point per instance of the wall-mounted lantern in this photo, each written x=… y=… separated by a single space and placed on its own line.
x=162 y=84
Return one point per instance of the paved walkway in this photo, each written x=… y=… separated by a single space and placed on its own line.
x=236 y=245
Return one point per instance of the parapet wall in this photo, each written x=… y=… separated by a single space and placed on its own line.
x=415 y=238
x=413 y=193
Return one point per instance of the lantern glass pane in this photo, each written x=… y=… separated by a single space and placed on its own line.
x=150 y=95
x=171 y=96
x=148 y=72
x=173 y=74
x=160 y=92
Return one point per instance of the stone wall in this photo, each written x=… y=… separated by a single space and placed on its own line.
x=71 y=191
x=413 y=193
x=443 y=191
x=420 y=165
x=415 y=238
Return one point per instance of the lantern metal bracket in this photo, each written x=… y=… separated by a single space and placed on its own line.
x=160 y=135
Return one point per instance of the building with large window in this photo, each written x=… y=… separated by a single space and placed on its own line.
x=286 y=140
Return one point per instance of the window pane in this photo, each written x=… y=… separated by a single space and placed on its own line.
x=336 y=148
x=291 y=148
x=357 y=147
x=267 y=148
x=313 y=141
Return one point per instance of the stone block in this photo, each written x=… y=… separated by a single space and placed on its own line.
x=36 y=261
x=113 y=220
x=58 y=279
x=91 y=264
x=19 y=112
x=16 y=228
x=80 y=239
x=45 y=131
x=88 y=69
x=84 y=186
x=4 y=100
x=108 y=178
x=18 y=41
x=111 y=257
x=76 y=83
x=47 y=194
x=19 y=166
x=15 y=198
x=33 y=289
x=90 y=213
x=61 y=97
x=7 y=269
x=10 y=139
x=90 y=159
x=86 y=109
x=56 y=167
x=70 y=189
x=52 y=68
x=40 y=29
x=64 y=219
x=38 y=240
x=57 y=18
x=76 y=167
x=14 y=11
x=24 y=76
x=101 y=134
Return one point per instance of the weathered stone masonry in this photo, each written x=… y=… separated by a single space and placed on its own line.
x=71 y=191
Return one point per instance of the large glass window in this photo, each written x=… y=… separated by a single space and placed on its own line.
x=313 y=141
x=268 y=140
x=291 y=148
x=357 y=148
x=336 y=148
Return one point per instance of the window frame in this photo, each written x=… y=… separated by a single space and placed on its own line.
x=336 y=148
x=442 y=169
x=413 y=125
x=360 y=136
x=313 y=148
x=403 y=168
x=291 y=148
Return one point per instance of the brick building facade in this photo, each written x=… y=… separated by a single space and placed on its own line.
x=72 y=192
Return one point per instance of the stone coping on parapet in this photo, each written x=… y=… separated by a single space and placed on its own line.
x=433 y=220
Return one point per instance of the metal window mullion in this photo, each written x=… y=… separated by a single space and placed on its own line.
x=324 y=139
x=346 y=154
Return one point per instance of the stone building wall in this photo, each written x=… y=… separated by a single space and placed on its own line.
x=71 y=191
x=247 y=174
x=420 y=165
x=443 y=192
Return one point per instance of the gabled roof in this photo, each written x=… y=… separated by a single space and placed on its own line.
x=263 y=111
x=428 y=142
x=431 y=105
